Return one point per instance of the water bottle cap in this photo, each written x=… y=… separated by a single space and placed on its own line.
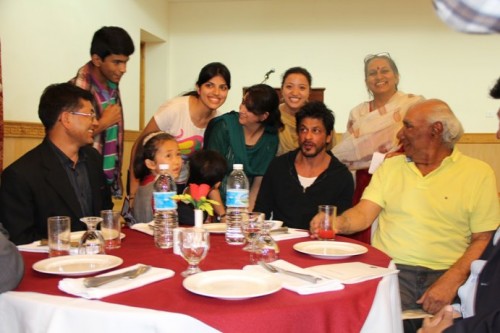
x=237 y=166
x=163 y=166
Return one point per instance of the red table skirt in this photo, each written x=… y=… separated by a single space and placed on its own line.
x=285 y=311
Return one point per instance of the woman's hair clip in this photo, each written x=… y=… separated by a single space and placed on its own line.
x=150 y=136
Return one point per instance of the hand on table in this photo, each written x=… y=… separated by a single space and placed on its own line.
x=315 y=223
x=441 y=321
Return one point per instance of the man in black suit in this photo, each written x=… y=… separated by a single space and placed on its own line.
x=61 y=176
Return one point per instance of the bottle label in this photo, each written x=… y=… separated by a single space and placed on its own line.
x=164 y=201
x=237 y=198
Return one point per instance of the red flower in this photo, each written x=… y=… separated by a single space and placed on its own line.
x=198 y=191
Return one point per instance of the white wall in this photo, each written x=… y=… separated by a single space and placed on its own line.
x=45 y=42
x=331 y=38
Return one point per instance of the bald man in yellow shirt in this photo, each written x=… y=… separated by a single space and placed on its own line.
x=437 y=208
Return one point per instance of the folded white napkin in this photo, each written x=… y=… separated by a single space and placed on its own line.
x=352 y=272
x=37 y=248
x=144 y=227
x=76 y=287
x=298 y=285
x=34 y=247
x=292 y=233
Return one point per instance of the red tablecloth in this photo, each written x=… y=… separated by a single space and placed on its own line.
x=285 y=311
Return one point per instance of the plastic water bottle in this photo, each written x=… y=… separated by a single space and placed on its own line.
x=236 y=204
x=165 y=208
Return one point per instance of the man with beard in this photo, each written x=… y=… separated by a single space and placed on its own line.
x=60 y=176
x=297 y=182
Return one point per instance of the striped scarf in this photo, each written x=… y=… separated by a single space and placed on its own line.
x=110 y=142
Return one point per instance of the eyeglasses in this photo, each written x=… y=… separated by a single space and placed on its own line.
x=91 y=115
x=378 y=55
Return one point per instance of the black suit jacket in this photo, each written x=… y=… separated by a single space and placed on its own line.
x=487 y=304
x=36 y=186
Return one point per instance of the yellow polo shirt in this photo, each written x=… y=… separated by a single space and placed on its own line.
x=428 y=221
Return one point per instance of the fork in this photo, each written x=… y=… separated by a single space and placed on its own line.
x=274 y=269
x=100 y=280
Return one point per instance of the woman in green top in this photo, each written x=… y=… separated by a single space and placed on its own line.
x=248 y=137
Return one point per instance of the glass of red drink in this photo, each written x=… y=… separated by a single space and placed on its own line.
x=328 y=214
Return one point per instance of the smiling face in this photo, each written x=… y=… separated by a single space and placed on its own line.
x=312 y=137
x=167 y=153
x=111 y=68
x=295 y=91
x=416 y=135
x=213 y=93
x=380 y=77
x=248 y=118
x=83 y=123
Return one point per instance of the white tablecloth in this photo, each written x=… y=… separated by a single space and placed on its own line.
x=23 y=312
x=34 y=312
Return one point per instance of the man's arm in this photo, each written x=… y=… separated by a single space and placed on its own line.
x=443 y=291
x=355 y=219
x=439 y=322
x=264 y=199
x=443 y=322
x=484 y=323
x=11 y=263
x=17 y=208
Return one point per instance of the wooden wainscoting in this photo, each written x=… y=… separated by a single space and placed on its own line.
x=21 y=137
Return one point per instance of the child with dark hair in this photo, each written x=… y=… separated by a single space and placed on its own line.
x=205 y=167
x=157 y=148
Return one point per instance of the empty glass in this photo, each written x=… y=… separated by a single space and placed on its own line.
x=193 y=244
x=92 y=241
x=251 y=227
x=266 y=248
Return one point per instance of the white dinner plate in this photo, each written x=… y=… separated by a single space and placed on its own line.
x=77 y=265
x=231 y=284
x=215 y=228
x=330 y=249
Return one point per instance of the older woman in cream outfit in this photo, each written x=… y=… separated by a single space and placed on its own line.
x=373 y=125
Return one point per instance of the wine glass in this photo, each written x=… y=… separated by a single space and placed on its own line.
x=251 y=228
x=194 y=244
x=266 y=248
x=92 y=241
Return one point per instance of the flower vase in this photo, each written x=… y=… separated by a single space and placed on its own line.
x=198 y=218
